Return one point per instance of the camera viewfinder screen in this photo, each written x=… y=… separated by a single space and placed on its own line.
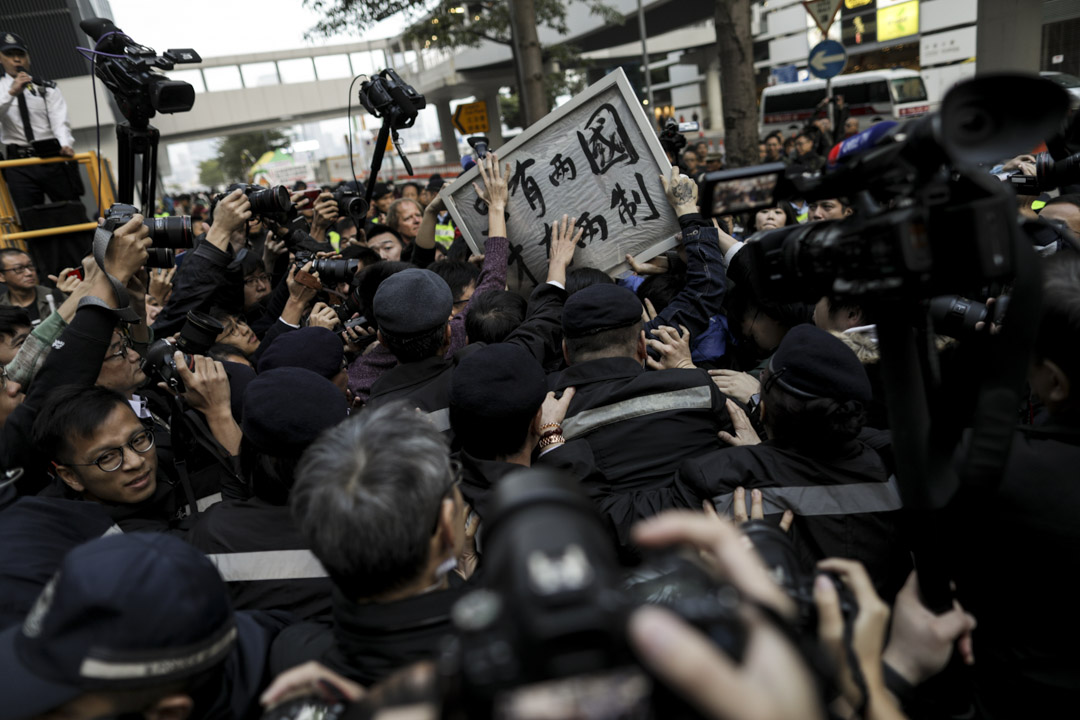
x=741 y=194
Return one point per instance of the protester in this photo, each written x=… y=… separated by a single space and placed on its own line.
x=21 y=282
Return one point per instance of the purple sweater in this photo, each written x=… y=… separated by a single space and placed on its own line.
x=366 y=369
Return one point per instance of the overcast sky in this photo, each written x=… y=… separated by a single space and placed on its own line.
x=228 y=27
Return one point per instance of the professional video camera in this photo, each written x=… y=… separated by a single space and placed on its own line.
x=1050 y=174
x=672 y=139
x=928 y=222
x=386 y=96
x=198 y=334
x=130 y=71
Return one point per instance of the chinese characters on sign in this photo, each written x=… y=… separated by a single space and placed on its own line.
x=594 y=159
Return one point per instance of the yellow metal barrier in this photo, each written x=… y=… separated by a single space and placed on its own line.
x=12 y=234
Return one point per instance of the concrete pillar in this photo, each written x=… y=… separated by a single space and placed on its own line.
x=494 y=134
x=712 y=95
x=446 y=131
x=1009 y=36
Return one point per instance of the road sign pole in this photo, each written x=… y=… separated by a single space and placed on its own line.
x=829 y=106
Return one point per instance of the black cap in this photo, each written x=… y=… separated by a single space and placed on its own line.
x=287 y=408
x=312 y=348
x=435 y=183
x=239 y=376
x=412 y=302
x=496 y=382
x=124 y=611
x=811 y=363
x=600 y=307
x=11 y=41
x=382 y=190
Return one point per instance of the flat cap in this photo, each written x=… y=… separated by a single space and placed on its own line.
x=598 y=308
x=495 y=382
x=435 y=183
x=287 y=408
x=312 y=348
x=811 y=363
x=412 y=302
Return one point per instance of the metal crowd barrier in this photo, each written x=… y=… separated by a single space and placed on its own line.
x=11 y=233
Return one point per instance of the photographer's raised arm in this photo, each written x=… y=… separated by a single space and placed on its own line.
x=205 y=268
x=77 y=355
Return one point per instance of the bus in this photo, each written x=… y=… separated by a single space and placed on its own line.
x=869 y=96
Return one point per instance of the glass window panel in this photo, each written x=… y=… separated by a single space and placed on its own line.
x=366 y=63
x=328 y=67
x=223 y=78
x=259 y=74
x=295 y=71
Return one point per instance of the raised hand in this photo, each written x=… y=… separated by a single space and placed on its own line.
x=674 y=348
x=496 y=190
x=744 y=431
x=681 y=192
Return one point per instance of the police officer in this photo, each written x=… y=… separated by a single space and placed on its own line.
x=34 y=123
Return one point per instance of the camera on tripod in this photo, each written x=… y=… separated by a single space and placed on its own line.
x=385 y=95
x=129 y=70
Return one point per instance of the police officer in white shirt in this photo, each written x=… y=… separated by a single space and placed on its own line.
x=33 y=123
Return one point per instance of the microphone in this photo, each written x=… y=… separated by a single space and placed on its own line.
x=29 y=85
x=97 y=27
x=859 y=143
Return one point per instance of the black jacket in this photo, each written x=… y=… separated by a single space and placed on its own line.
x=75 y=359
x=263 y=558
x=1017 y=560
x=426 y=383
x=641 y=424
x=369 y=642
x=845 y=503
x=207 y=277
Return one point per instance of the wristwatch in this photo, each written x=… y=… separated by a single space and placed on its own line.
x=754 y=404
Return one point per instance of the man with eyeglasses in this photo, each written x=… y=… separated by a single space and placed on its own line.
x=20 y=277
x=103 y=453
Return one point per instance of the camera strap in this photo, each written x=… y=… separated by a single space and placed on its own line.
x=123 y=309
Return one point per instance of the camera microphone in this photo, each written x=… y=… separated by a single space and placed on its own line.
x=97 y=28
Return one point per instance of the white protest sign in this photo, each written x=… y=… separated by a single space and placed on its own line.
x=594 y=158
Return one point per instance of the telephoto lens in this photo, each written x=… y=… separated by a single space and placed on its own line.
x=335 y=270
x=170 y=232
x=955 y=316
x=270 y=200
x=199 y=333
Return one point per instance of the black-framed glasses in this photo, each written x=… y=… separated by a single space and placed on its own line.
x=110 y=460
x=19 y=268
x=455 y=481
x=252 y=279
x=125 y=345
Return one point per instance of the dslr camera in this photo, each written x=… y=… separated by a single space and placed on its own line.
x=351 y=203
x=272 y=203
x=166 y=233
x=198 y=334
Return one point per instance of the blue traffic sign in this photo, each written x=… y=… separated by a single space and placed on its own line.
x=827 y=59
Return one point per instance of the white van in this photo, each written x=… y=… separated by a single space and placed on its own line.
x=879 y=94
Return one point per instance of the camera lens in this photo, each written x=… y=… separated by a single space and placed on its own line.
x=270 y=200
x=955 y=316
x=335 y=270
x=170 y=232
x=160 y=258
x=199 y=333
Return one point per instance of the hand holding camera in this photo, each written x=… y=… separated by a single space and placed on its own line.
x=206 y=384
x=127 y=250
x=326 y=214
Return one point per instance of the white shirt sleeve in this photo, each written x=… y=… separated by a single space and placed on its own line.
x=732 y=252
x=58 y=117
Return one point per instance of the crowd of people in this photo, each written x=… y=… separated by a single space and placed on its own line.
x=311 y=504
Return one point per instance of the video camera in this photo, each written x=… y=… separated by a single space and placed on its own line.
x=386 y=96
x=130 y=71
x=671 y=137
